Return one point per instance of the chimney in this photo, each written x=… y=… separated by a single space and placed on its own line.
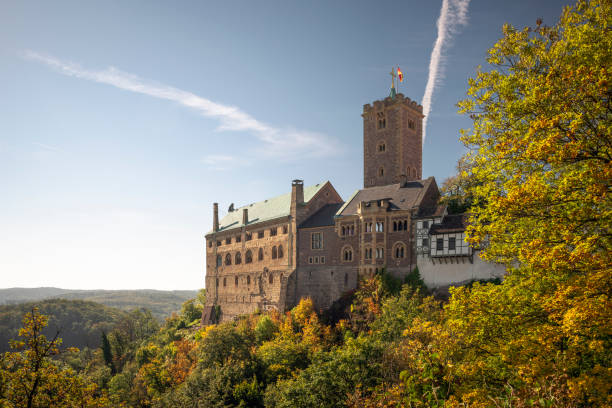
x=215 y=217
x=245 y=216
x=297 y=192
x=297 y=198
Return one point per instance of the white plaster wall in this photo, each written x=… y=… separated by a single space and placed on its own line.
x=444 y=274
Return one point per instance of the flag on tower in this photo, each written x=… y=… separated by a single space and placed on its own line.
x=400 y=75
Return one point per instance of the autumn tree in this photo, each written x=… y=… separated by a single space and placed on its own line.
x=540 y=157
x=31 y=378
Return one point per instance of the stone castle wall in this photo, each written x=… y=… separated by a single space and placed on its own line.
x=256 y=285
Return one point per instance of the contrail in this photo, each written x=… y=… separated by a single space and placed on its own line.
x=276 y=142
x=453 y=14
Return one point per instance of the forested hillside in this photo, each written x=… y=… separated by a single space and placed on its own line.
x=79 y=322
x=161 y=303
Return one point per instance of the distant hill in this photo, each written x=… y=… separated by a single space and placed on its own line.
x=80 y=322
x=161 y=303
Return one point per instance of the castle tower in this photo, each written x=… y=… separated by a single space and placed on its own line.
x=392 y=140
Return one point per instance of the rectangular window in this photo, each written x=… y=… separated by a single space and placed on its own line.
x=238 y=238
x=322 y=259
x=316 y=259
x=317 y=240
x=310 y=260
x=260 y=234
x=451 y=244
x=425 y=242
x=228 y=240
x=218 y=243
x=273 y=231
x=285 y=229
x=440 y=244
x=425 y=224
x=248 y=236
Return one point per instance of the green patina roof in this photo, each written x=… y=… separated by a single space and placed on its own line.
x=269 y=209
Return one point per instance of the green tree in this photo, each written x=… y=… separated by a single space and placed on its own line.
x=456 y=191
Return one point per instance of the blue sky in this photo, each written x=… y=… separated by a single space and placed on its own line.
x=122 y=122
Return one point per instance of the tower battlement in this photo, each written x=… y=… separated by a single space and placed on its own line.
x=388 y=101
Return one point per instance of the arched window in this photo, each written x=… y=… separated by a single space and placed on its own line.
x=380 y=253
x=248 y=257
x=248 y=280
x=238 y=258
x=405 y=225
x=274 y=253
x=343 y=231
x=219 y=260
x=236 y=281
x=381 y=172
x=347 y=254
x=382 y=147
x=399 y=251
x=260 y=255
x=271 y=279
x=228 y=259
x=345 y=279
x=280 y=251
x=217 y=283
x=224 y=282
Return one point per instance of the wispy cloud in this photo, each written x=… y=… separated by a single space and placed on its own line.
x=283 y=143
x=47 y=148
x=453 y=15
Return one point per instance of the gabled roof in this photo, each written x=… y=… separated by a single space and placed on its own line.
x=450 y=223
x=437 y=211
x=266 y=210
x=322 y=218
x=402 y=196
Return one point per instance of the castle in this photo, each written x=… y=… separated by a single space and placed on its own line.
x=312 y=243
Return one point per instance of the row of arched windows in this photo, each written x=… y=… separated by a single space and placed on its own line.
x=348 y=230
x=400 y=225
x=277 y=253
x=248 y=280
x=399 y=252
